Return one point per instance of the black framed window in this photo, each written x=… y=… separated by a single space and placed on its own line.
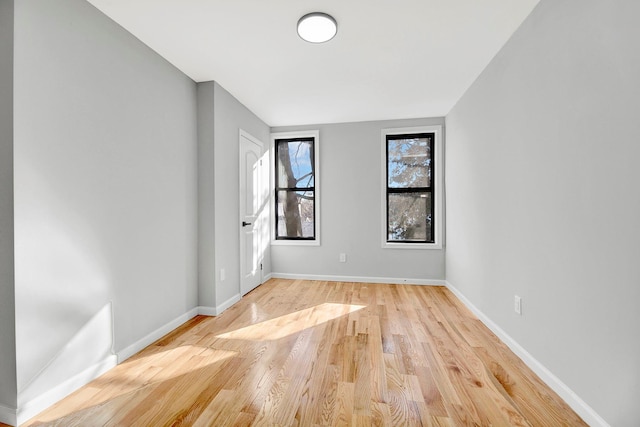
x=295 y=189
x=410 y=188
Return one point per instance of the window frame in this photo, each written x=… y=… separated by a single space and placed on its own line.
x=315 y=134
x=437 y=187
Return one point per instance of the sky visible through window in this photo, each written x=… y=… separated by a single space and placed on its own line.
x=300 y=155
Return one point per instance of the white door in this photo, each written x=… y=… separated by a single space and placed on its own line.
x=252 y=212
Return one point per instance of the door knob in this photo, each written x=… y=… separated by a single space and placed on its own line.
x=244 y=224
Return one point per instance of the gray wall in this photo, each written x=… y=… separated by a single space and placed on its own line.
x=229 y=117
x=7 y=294
x=105 y=190
x=350 y=210
x=542 y=197
x=220 y=118
x=206 y=195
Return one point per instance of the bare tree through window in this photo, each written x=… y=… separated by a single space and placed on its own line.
x=410 y=188
x=295 y=189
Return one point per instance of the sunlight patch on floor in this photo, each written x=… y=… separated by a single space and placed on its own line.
x=292 y=323
x=136 y=374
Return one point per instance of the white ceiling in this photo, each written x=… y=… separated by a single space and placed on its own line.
x=389 y=60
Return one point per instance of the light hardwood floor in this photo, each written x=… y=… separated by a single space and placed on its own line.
x=305 y=353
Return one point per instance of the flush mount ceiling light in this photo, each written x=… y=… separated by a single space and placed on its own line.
x=317 y=27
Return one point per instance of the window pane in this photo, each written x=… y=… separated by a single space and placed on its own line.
x=410 y=217
x=295 y=214
x=295 y=162
x=409 y=162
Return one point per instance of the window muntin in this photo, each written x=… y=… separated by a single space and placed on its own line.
x=295 y=193
x=410 y=188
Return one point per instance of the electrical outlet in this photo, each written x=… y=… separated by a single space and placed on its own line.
x=517 y=305
x=343 y=257
x=222 y=275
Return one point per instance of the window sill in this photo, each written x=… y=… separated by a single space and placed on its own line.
x=423 y=246
x=295 y=242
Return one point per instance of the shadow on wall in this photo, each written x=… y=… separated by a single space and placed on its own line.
x=88 y=348
x=88 y=354
x=64 y=317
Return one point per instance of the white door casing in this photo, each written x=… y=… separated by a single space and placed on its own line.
x=251 y=206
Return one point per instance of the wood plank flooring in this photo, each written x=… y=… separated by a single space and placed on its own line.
x=310 y=353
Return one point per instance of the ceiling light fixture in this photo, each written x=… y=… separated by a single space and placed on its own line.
x=317 y=27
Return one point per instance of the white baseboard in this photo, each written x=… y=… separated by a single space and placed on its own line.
x=228 y=303
x=267 y=277
x=585 y=411
x=155 y=335
x=8 y=415
x=33 y=407
x=360 y=279
x=163 y=330
x=43 y=401
x=217 y=310
x=207 y=311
